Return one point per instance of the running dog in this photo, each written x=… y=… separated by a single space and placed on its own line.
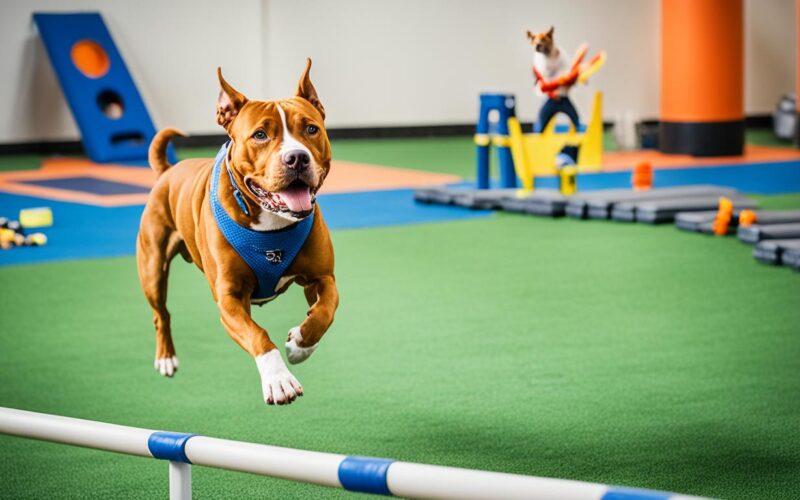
x=248 y=219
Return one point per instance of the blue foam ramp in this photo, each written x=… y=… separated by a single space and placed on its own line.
x=106 y=138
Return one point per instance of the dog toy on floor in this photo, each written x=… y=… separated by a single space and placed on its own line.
x=13 y=235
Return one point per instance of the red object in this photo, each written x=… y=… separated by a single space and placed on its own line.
x=568 y=80
x=642 y=178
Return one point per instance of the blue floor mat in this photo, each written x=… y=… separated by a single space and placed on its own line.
x=84 y=231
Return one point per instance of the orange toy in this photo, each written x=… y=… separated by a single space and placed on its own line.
x=747 y=218
x=723 y=220
x=642 y=178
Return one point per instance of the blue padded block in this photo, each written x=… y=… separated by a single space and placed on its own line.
x=634 y=494
x=103 y=137
x=365 y=474
x=169 y=446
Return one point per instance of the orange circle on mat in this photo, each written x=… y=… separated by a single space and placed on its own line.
x=90 y=58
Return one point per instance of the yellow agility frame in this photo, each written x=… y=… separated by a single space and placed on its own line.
x=534 y=154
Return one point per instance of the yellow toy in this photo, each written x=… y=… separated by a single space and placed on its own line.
x=36 y=217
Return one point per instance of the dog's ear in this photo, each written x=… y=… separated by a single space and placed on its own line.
x=229 y=102
x=531 y=36
x=550 y=31
x=306 y=90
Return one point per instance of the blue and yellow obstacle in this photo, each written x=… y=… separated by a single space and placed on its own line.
x=525 y=156
x=535 y=154
x=495 y=113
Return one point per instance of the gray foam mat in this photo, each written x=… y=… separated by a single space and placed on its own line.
x=484 y=199
x=791 y=258
x=544 y=202
x=771 y=251
x=660 y=211
x=755 y=233
x=598 y=204
x=442 y=195
x=691 y=221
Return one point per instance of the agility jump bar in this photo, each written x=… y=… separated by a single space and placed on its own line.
x=352 y=473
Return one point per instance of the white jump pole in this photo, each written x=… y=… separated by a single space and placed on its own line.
x=360 y=474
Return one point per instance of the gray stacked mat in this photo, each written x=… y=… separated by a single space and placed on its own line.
x=757 y=232
x=791 y=258
x=442 y=195
x=598 y=204
x=694 y=221
x=545 y=202
x=483 y=199
x=771 y=251
x=665 y=210
x=763 y=218
x=578 y=203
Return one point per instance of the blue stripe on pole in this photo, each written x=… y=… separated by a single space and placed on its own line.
x=169 y=445
x=365 y=474
x=634 y=494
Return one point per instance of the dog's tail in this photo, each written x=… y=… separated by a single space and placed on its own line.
x=157 y=155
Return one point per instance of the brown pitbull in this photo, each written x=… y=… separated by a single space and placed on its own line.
x=225 y=215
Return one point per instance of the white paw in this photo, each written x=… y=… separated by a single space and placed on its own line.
x=277 y=383
x=166 y=366
x=294 y=353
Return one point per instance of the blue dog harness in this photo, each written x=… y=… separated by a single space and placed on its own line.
x=268 y=253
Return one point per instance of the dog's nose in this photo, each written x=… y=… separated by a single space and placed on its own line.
x=296 y=159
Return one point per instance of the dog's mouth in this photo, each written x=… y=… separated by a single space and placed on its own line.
x=296 y=199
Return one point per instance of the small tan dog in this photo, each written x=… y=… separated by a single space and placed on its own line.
x=248 y=220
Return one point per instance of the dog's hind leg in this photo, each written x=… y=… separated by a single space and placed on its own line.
x=155 y=248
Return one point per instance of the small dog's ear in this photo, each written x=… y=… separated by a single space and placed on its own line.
x=531 y=36
x=229 y=102
x=306 y=90
x=551 y=30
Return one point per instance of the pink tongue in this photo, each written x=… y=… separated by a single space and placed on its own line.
x=297 y=198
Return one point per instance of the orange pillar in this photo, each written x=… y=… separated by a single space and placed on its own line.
x=702 y=77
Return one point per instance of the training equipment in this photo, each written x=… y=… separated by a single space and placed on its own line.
x=702 y=222
x=544 y=202
x=352 y=473
x=757 y=232
x=642 y=176
x=664 y=210
x=791 y=258
x=694 y=221
x=535 y=154
x=492 y=129
x=107 y=107
x=36 y=217
x=483 y=199
x=722 y=222
x=598 y=204
x=770 y=251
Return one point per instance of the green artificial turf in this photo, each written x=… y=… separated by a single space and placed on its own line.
x=623 y=354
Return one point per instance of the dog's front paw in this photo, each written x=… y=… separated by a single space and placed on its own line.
x=277 y=383
x=294 y=353
x=166 y=366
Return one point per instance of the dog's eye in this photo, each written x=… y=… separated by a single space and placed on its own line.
x=260 y=135
x=312 y=129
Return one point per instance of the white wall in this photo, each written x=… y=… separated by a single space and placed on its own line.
x=172 y=48
x=770 y=53
x=376 y=62
x=405 y=62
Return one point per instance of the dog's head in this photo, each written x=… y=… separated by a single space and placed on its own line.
x=543 y=42
x=279 y=149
